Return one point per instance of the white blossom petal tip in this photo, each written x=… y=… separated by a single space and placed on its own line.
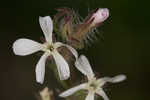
x=24 y=47
x=118 y=78
x=46 y=24
x=115 y=79
x=40 y=68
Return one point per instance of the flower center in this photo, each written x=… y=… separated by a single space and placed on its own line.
x=50 y=47
x=93 y=86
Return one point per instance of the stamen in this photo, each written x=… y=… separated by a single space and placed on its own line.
x=51 y=48
x=93 y=86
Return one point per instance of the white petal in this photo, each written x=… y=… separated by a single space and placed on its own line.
x=24 y=47
x=74 y=52
x=62 y=66
x=117 y=78
x=72 y=90
x=46 y=24
x=90 y=96
x=103 y=94
x=40 y=68
x=83 y=65
x=58 y=44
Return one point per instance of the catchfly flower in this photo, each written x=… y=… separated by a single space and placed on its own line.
x=24 y=47
x=93 y=86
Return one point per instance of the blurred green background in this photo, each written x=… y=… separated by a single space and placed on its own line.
x=125 y=48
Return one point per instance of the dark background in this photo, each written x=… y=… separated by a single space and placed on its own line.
x=125 y=48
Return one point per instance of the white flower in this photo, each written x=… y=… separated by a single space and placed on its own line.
x=24 y=47
x=93 y=86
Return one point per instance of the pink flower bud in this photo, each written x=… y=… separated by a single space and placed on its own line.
x=100 y=15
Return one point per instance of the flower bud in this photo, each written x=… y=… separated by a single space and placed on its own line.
x=98 y=17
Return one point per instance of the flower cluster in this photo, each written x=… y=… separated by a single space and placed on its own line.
x=70 y=31
x=93 y=86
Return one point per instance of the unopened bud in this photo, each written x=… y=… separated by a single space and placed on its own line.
x=99 y=16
